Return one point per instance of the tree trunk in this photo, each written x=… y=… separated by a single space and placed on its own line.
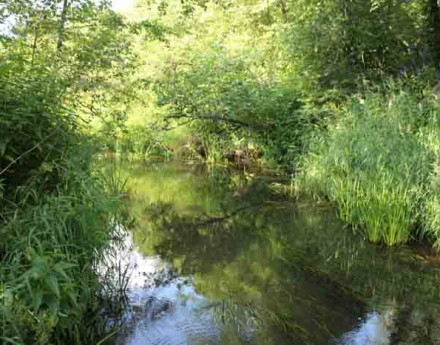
x=61 y=27
x=283 y=6
x=434 y=30
x=34 y=45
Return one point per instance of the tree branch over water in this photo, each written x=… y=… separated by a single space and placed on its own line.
x=214 y=117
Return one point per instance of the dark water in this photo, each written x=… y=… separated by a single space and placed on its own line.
x=223 y=257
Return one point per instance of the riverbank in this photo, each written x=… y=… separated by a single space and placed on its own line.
x=378 y=165
x=51 y=291
x=375 y=159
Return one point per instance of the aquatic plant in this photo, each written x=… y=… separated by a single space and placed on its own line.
x=377 y=165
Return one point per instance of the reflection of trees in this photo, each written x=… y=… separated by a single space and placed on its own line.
x=286 y=271
x=395 y=325
x=281 y=270
x=199 y=241
x=238 y=260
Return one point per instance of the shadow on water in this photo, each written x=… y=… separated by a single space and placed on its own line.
x=219 y=258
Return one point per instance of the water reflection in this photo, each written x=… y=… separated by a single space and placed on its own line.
x=220 y=259
x=375 y=329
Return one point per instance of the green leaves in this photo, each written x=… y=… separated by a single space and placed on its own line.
x=49 y=255
x=48 y=285
x=363 y=39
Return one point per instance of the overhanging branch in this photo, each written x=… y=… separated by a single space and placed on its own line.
x=219 y=118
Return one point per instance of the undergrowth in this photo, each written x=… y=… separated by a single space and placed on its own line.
x=51 y=247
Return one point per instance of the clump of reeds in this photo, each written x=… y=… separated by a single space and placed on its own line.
x=376 y=163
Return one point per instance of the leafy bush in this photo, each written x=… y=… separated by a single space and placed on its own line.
x=34 y=129
x=226 y=104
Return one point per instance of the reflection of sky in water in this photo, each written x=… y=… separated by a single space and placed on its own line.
x=174 y=313
x=170 y=313
x=183 y=321
x=374 y=330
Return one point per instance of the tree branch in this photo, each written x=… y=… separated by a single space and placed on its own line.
x=219 y=118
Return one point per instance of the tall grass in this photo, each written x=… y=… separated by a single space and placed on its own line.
x=377 y=164
x=50 y=248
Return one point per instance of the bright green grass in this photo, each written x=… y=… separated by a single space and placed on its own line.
x=377 y=165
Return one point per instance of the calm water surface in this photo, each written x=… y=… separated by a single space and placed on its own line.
x=220 y=256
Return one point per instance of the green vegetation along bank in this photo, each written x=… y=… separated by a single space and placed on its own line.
x=58 y=217
x=378 y=163
x=342 y=94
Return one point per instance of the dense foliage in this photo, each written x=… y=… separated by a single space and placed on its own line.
x=57 y=217
x=254 y=78
x=342 y=93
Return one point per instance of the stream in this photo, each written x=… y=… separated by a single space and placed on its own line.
x=223 y=256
